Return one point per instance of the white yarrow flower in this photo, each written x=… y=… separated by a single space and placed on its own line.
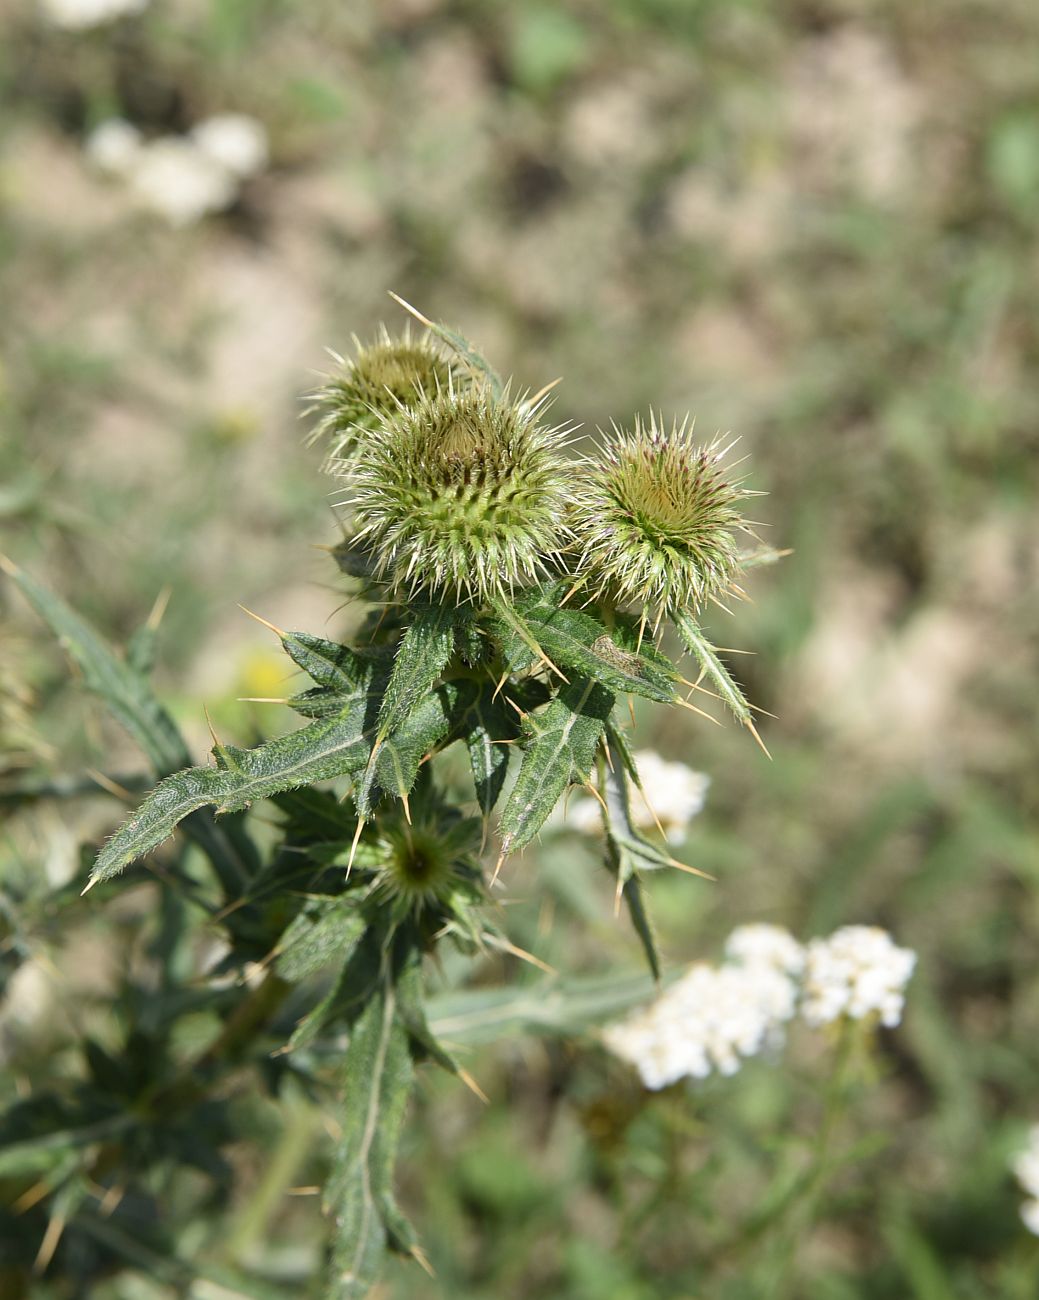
x=674 y=792
x=114 y=146
x=78 y=15
x=765 y=945
x=858 y=972
x=174 y=178
x=1026 y=1167
x=712 y=1019
x=235 y=141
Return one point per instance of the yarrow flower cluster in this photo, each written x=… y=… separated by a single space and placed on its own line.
x=715 y=1017
x=79 y=15
x=182 y=178
x=711 y=1019
x=671 y=796
x=858 y=971
x=1026 y=1167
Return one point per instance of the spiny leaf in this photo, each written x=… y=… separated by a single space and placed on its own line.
x=561 y=747
x=421 y=657
x=355 y=984
x=412 y=1013
x=627 y=851
x=378 y=1077
x=324 y=930
x=322 y=751
x=458 y=343
x=396 y=764
x=575 y=640
x=697 y=644
x=490 y=720
x=330 y=664
x=125 y=691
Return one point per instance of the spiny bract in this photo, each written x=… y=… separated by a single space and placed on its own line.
x=386 y=375
x=463 y=492
x=658 y=520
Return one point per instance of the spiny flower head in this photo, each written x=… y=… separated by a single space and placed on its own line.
x=463 y=492
x=384 y=376
x=659 y=520
x=424 y=864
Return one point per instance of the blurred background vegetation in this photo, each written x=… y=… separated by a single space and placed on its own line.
x=812 y=224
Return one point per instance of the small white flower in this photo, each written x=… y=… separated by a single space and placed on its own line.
x=1026 y=1166
x=78 y=15
x=1030 y=1215
x=235 y=141
x=114 y=146
x=712 y=1019
x=765 y=945
x=858 y=971
x=173 y=177
x=674 y=792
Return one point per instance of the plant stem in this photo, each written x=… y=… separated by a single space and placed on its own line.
x=803 y=1211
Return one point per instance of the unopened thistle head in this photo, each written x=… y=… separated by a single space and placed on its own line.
x=462 y=492
x=658 y=520
x=426 y=863
x=384 y=376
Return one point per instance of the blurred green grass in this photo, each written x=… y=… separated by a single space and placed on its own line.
x=814 y=225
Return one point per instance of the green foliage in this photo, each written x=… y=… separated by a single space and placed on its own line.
x=374 y=866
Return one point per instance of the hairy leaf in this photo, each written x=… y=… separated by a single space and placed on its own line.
x=712 y=667
x=573 y=639
x=628 y=851
x=561 y=748
x=330 y=664
x=378 y=1077
x=490 y=720
x=322 y=751
x=125 y=691
x=396 y=764
x=421 y=657
x=326 y=929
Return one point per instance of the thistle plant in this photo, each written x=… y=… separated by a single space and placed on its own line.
x=519 y=596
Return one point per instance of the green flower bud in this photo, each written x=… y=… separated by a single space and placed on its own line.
x=659 y=520
x=384 y=376
x=464 y=492
x=425 y=865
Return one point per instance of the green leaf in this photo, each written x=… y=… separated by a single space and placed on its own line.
x=330 y=664
x=705 y=654
x=628 y=851
x=412 y=1013
x=129 y=697
x=125 y=691
x=421 y=657
x=459 y=344
x=573 y=639
x=561 y=748
x=351 y=990
x=326 y=929
x=378 y=1077
x=322 y=751
x=552 y=1006
x=396 y=764
x=490 y=720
